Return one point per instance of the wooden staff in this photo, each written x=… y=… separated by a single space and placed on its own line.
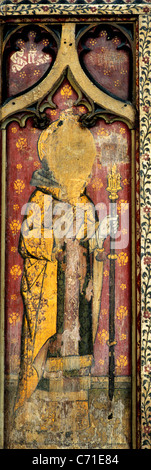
x=113 y=187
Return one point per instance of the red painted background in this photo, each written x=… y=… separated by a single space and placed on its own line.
x=113 y=145
x=22 y=160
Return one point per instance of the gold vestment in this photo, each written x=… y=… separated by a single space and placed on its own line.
x=39 y=290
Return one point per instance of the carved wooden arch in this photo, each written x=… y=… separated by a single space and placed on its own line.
x=67 y=61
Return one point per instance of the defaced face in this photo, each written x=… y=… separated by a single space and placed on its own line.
x=69 y=151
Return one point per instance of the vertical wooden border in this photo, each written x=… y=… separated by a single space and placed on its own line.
x=145 y=223
x=2 y=306
x=133 y=289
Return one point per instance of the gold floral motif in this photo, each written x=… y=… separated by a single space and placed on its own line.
x=121 y=362
x=102 y=131
x=15 y=271
x=66 y=91
x=116 y=40
x=45 y=42
x=122 y=258
x=32 y=34
x=124 y=231
x=106 y=72
x=116 y=83
x=19 y=166
x=103 y=336
x=101 y=362
x=15 y=207
x=122 y=206
x=14 y=130
x=106 y=273
x=37 y=164
x=122 y=337
x=121 y=312
x=14 y=318
x=97 y=184
x=20 y=42
x=19 y=185
x=93 y=42
x=22 y=74
x=82 y=109
x=123 y=286
x=123 y=71
x=13 y=297
x=103 y=33
x=13 y=249
x=122 y=130
x=15 y=226
x=53 y=112
x=33 y=47
x=104 y=312
x=36 y=72
x=125 y=182
x=21 y=143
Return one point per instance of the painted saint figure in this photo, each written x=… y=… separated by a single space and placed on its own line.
x=62 y=278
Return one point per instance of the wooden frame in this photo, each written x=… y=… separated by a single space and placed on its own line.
x=141 y=395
